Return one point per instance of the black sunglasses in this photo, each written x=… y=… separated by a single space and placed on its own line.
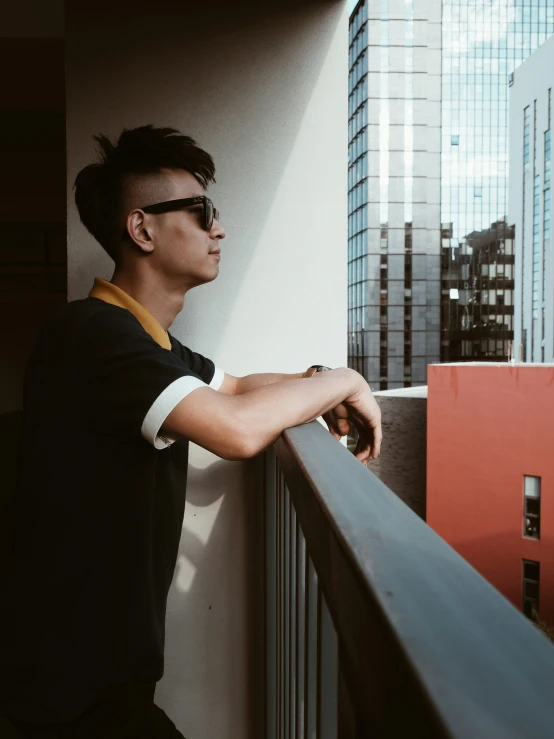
x=209 y=213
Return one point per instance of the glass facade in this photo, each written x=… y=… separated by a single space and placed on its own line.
x=536 y=234
x=394 y=163
x=526 y=164
x=428 y=183
x=483 y=42
x=384 y=130
x=546 y=222
x=530 y=204
x=357 y=186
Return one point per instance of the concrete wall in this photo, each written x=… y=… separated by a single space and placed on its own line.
x=488 y=426
x=263 y=88
x=532 y=80
x=402 y=464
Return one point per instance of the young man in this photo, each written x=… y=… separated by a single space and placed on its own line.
x=111 y=401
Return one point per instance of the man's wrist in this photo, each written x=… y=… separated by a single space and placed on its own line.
x=314 y=369
x=355 y=379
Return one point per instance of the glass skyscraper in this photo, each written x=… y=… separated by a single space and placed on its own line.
x=394 y=190
x=430 y=252
x=483 y=43
x=530 y=204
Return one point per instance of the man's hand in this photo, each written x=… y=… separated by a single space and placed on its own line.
x=362 y=412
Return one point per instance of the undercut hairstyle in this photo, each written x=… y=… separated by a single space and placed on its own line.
x=139 y=154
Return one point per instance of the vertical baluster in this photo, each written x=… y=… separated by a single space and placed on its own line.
x=328 y=674
x=292 y=623
x=311 y=676
x=286 y=611
x=271 y=499
x=301 y=632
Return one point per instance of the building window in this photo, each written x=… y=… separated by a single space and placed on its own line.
x=532 y=507
x=531 y=588
x=454 y=140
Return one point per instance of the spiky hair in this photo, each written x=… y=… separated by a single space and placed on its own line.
x=139 y=152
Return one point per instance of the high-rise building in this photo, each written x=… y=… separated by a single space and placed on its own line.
x=478 y=283
x=428 y=171
x=530 y=203
x=394 y=190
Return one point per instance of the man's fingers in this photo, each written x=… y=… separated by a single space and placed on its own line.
x=331 y=422
x=343 y=425
x=365 y=449
x=338 y=426
x=341 y=420
x=377 y=439
x=372 y=434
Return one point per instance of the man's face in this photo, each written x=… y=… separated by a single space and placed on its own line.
x=184 y=251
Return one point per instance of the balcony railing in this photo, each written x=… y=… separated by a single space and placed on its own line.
x=375 y=626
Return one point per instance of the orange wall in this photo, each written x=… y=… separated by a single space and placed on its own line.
x=488 y=426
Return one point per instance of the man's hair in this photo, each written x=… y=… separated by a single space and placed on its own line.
x=139 y=152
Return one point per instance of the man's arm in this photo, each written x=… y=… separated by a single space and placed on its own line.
x=239 y=385
x=241 y=426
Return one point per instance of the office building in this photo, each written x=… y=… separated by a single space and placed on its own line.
x=530 y=203
x=490 y=493
x=394 y=191
x=480 y=295
x=428 y=171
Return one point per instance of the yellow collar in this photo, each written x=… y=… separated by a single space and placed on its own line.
x=109 y=293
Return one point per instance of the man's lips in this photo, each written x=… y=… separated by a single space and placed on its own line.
x=216 y=251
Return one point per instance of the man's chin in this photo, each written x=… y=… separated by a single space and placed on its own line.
x=206 y=278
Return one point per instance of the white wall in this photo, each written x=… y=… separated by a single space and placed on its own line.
x=531 y=82
x=264 y=89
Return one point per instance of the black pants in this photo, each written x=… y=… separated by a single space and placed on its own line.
x=125 y=712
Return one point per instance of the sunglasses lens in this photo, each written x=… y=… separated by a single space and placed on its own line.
x=209 y=213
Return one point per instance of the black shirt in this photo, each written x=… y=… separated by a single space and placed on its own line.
x=97 y=513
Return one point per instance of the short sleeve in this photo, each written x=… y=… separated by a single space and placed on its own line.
x=127 y=383
x=203 y=367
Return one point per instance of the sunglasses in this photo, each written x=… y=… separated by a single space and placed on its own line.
x=209 y=212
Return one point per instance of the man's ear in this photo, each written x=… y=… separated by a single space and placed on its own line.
x=139 y=229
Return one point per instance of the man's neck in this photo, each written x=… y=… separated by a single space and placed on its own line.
x=161 y=301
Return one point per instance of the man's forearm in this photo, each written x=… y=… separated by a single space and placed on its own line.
x=266 y=411
x=251 y=382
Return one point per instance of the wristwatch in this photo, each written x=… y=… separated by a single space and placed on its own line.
x=315 y=368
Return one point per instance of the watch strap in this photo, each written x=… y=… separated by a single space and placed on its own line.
x=315 y=368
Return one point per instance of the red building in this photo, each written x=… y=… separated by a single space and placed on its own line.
x=490 y=474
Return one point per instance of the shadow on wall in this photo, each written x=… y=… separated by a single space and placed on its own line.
x=196 y=598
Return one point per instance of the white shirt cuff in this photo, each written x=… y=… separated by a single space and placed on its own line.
x=162 y=407
x=217 y=380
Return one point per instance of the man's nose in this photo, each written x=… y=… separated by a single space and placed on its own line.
x=217 y=231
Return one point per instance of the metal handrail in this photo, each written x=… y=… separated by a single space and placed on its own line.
x=427 y=647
